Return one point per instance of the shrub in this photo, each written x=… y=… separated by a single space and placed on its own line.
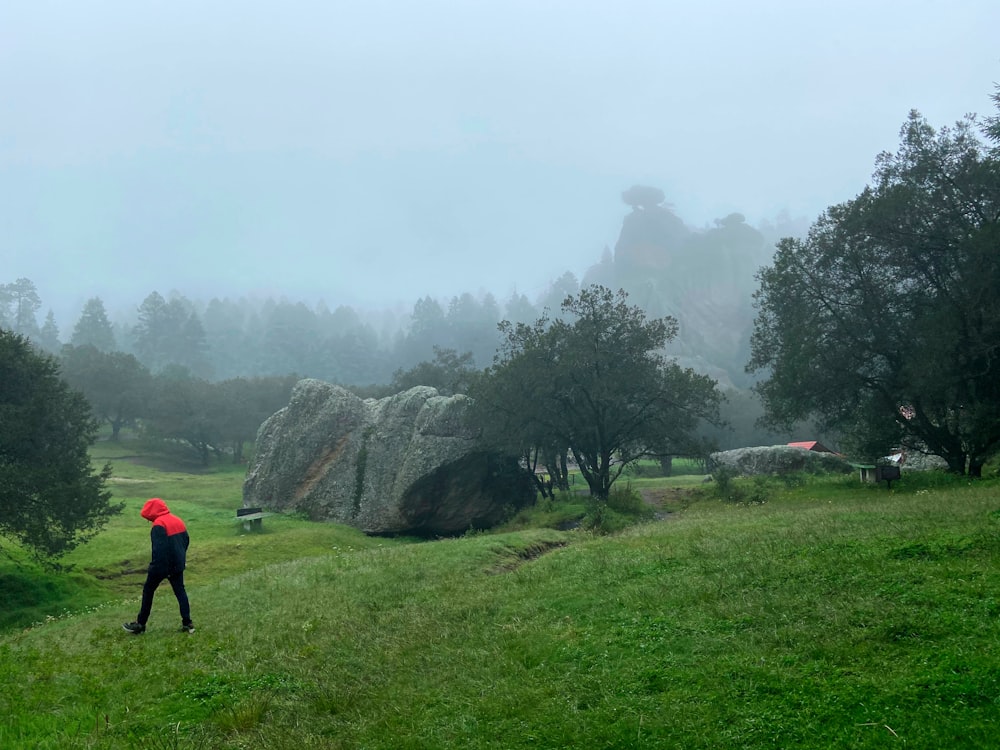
x=729 y=490
x=628 y=502
x=624 y=507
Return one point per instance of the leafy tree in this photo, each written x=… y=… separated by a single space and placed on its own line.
x=187 y=409
x=93 y=328
x=885 y=321
x=597 y=384
x=51 y=500
x=509 y=395
x=116 y=384
x=245 y=404
x=992 y=128
x=643 y=196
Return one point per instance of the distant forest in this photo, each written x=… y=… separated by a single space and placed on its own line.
x=704 y=278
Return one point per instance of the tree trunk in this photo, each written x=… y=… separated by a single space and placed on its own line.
x=544 y=488
x=956 y=462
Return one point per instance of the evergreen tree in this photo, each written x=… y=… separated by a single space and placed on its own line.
x=48 y=336
x=21 y=302
x=93 y=328
x=50 y=498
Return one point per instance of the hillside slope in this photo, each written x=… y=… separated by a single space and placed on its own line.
x=832 y=615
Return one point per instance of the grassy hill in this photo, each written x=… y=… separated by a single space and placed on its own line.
x=830 y=615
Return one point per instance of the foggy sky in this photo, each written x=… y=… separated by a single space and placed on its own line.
x=372 y=153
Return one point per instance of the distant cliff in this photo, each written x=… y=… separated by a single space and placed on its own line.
x=705 y=279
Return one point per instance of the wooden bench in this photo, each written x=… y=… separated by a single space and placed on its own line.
x=879 y=473
x=251 y=518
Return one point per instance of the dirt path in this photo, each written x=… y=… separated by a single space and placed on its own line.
x=666 y=501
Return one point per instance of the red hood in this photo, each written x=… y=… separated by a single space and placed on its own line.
x=154 y=508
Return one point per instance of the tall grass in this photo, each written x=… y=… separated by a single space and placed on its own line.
x=829 y=615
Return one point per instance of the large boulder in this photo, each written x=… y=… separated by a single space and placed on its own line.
x=407 y=464
x=779 y=459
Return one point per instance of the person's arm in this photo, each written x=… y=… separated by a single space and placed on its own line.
x=161 y=555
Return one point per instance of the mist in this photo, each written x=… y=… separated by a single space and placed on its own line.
x=371 y=154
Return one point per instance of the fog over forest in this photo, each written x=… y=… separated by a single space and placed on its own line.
x=370 y=155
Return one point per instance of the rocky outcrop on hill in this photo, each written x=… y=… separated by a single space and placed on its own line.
x=407 y=464
x=703 y=278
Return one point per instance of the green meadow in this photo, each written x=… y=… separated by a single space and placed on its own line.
x=820 y=613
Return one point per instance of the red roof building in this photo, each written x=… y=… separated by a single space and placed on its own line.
x=811 y=445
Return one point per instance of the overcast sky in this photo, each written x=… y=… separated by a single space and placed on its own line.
x=373 y=152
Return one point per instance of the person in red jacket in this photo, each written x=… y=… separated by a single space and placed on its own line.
x=170 y=541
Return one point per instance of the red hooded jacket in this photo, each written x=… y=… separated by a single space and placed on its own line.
x=169 y=538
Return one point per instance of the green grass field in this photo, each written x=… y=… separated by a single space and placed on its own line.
x=824 y=614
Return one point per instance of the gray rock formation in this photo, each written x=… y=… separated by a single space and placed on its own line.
x=779 y=459
x=407 y=464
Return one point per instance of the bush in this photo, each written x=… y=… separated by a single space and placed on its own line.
x=628 y=502
x=624 y=507
x=728 y=489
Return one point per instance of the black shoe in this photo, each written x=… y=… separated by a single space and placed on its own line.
x=187 y=628
x=135 y=628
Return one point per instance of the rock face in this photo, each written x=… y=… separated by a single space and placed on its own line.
x=704 y=279
x=407 y=464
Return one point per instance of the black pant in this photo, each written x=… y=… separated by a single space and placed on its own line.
x=153 y=580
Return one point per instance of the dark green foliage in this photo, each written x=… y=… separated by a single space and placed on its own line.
x=596 y=385
x=993 y=123
x=884 y=322
x=240 y=406
x=731 y=488
x=212 y=417
x=93 y=328
x=186 y=408
x=50 y=498
x=48 y=335
x=19 y=301
x=624 y=507
x=116 y=384
x=170 y=333
x=450 y=373
x=468 y=325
